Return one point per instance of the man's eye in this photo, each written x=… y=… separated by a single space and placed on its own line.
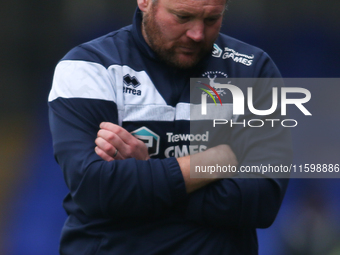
x=183 y=17
x=210 y=20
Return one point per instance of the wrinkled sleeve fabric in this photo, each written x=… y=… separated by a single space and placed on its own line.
x=83 y=96
x=249 y=202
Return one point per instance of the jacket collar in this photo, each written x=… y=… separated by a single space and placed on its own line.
x=138 y=36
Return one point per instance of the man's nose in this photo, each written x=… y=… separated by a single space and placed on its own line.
x=196 y=31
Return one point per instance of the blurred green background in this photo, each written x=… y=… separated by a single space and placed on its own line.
x=301 y=36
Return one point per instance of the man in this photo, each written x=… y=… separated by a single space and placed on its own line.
x=135 y=196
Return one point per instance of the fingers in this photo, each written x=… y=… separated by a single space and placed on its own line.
x=123 y=134
x=106 y=146
x=102 y=154
x=109 y=142
x=112 y=137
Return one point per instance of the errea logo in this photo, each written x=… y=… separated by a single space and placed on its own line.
x=128 y=80
x=133 y=82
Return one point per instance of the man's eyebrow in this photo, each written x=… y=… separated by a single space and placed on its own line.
x=216 y=15
x=181 y=12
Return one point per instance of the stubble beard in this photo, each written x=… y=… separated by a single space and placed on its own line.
x=155 y=39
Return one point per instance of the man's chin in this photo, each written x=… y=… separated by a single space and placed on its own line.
x=179 y=60
x=185 y=61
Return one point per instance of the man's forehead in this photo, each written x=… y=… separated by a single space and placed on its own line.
x=194 y=5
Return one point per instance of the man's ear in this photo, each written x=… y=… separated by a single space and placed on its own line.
x=144 y=5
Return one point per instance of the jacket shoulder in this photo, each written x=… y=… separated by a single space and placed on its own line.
x=104 y=50
x=237 y=45
x=243 y=59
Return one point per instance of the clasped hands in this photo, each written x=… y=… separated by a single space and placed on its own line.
x=113 y=139
x=115 y=143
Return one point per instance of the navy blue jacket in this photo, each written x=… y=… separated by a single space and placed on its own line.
x=141 y=207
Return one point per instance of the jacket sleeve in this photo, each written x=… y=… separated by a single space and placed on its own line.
x=249 y=202
x=121 y=188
